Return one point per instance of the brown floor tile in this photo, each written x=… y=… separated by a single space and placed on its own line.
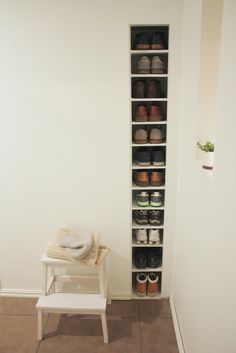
x=74 y=334
x=17 y=306
x=18 y=334
x=158 y=337
x=124 y=308
x=156 y=309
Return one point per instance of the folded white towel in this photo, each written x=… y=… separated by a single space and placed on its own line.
x=78 y=244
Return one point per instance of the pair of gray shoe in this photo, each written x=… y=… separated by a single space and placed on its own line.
x=147 y=66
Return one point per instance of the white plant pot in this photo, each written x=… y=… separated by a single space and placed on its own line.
x=208 y=160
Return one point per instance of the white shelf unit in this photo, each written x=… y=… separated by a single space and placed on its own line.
x=135 y=55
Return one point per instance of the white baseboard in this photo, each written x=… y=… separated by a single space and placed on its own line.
x=34 y=293
x=21 y=293
x=178 y=334
x=120 y=296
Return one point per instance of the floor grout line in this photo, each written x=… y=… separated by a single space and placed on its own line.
x=140 y=329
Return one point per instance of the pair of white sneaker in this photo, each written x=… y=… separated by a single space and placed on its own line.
x=151 y=236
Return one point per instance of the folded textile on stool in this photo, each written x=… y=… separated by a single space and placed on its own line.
x=95 y=256
x=78 y=244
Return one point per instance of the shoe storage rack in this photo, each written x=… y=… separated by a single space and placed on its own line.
x=148 y=78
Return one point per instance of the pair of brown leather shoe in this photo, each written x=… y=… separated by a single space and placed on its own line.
x=155 y=114
x=156 y=178
x=149 y=89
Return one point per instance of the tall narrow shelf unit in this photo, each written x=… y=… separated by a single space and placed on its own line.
x=156 y=37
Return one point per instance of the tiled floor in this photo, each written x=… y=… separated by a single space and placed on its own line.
x=138 y=326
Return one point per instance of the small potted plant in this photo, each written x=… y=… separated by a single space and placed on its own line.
x=208 y=154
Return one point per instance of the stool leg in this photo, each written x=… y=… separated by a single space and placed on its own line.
x=104 y=327
x=40 y=324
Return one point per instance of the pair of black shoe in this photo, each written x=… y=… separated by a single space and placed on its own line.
x=144 y=258
x=157 y=41
x=145 y=157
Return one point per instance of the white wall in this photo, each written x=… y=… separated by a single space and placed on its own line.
x=204 y=272
x=209 y=68
x=65 y=129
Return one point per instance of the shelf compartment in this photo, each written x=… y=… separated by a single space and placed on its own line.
x=148 y=104
x=149 y=30
x=137 y=55
x=135 y=206
x=161 y=86
x=136 y=245
x=135 y=296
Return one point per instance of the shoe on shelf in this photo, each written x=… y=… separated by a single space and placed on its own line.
x=156 y=136
x=141 y=42
x=152 y=285
x=142 y=199
x=157 y=66
x=158 y=156
x=153 y=260
x=157 y=178
x=141 y=178
x=141 y=113
x=158 y=41
x=154 y=89
x=139 y=89
x=144 y=65
x=141 y=284
x=140 y=259
x=154 y=236
x=140 y=136
x=155 y=217
x=142 y=157
x=156 y=199
x=141 y=217
x=156 y=113
x=141 y=236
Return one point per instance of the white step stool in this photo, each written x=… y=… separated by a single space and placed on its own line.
x=71 y=303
